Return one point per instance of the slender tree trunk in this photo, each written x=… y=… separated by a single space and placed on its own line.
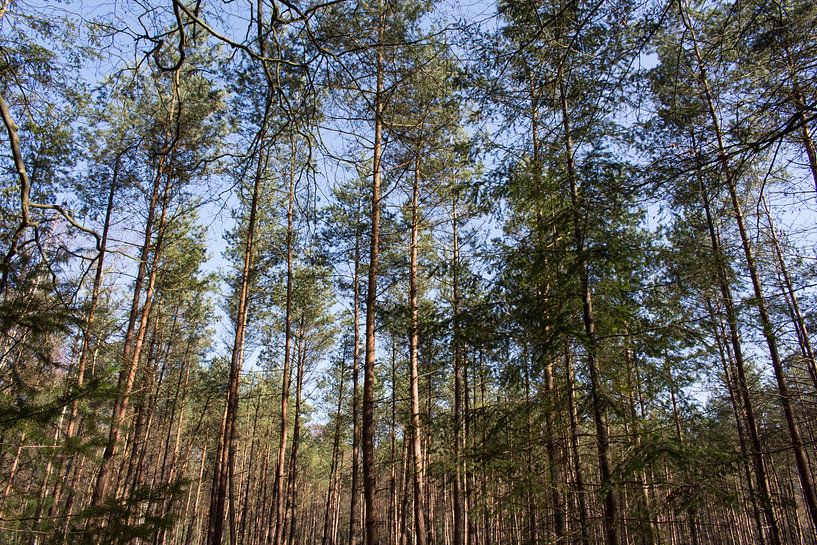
x=327 y=537
x=469 y=398
x=373 y=518
x=262 y=522
x=432 y=492
x=457 y=495
x=803 y=337
x=393 y=446
x=140 y=435
x=418 y=472
x=581 y=497
x=292 y=499
x=225 y=455
x=178 y=403
x=354 y=492
x=282 y=445
x=486 y=500
x=245 y=509
x=335 y=509
x=67 y=462
x=691 y=511
x=15 y=464
x=128 y=373
x=648 y=531
x=552 y=455
x=405 y=496
x=532 y=519
x=733 y=387
x=194 y=516
x=597 y=401
x=41 y=497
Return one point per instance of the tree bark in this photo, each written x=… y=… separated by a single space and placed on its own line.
x=373 y=518
x=354 y=492
x=418 y=472
x=225 y=454
x=327 y=538
x=597 y=400
x=66 y=462
x=581 y=496
x=285 y=380
x=457 y=495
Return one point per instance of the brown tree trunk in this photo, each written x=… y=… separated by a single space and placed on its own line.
x=354 y=489
x=803 y=337
x=418 y=472
x=373 y=517
x=532 y=519
x=552 y=455
x=245 y=508
x=405 y=496
x=581 y=497
x=327 y=538
x=280 y=503
x=292 y=497
x=736 y=399
x=188 y=539
x=691 y=510
x=393 y=447
x=597 y=402
x=178 y=404
x=486 y=500
x=41 y=497
x=457 y=495
x=67 y=462
x=648 y=532
x=225 y=454
x=15 y=464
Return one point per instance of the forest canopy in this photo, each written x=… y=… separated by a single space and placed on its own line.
x=399 y=272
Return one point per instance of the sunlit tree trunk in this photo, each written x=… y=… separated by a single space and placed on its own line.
x=418 y=470
x=373 y=517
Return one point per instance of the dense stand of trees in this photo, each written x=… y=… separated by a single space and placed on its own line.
x=380 y=272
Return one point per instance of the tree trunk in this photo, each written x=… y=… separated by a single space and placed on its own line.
x=581 y=497
x=225 y=455
x=418 y=471
x=373 y=518
x=597 y=399
x=327 y=537
x=457 y=495
x=292 y=499
x=285 y=381
x=354 y=492
x=532 y=522
x=790 y=294
x=67 y=462
x=552 y=455
x=733 y=387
